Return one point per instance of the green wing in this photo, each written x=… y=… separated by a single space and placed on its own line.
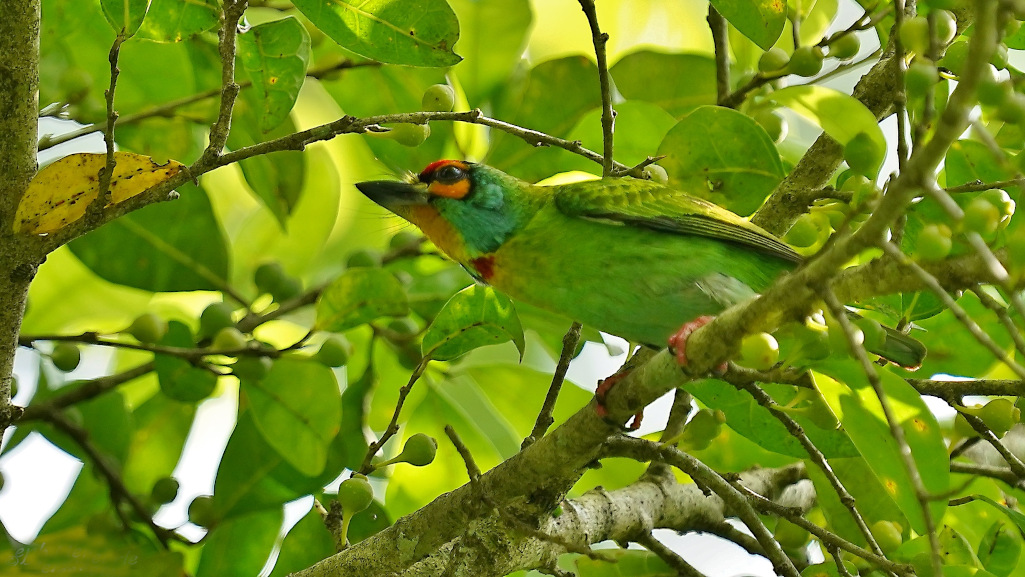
x=627 y=201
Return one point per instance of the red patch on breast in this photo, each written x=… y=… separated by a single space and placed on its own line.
x=485 y=266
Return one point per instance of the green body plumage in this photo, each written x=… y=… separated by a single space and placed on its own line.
x=629 y=257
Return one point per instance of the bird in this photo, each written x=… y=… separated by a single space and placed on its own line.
x=634 y=258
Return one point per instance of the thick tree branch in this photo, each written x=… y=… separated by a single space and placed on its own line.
x=19 y=109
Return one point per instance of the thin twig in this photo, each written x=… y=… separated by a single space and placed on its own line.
x=227 y=33
x=85 y=391
x=472 y=470
x=678 y=563
x=608 y=115
x=959 y=313
x=95 y=208
x=979 y=186
x=900 y=100
x=168 y=108
x=910 y=467
x=817 y=457
x=831 y=539
x=1016 y=465
x=367 y=466
x=544 y=417
x=736 y=502
x=720 y=40
x=1005 y=319
x=118 y=490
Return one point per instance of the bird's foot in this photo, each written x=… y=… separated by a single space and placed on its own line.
x=678 y=342
x=604 y=386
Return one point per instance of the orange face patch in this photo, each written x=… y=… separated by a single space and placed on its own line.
x=448 y=178
x=457 y=190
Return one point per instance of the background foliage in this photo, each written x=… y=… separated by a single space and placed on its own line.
x=259 y=262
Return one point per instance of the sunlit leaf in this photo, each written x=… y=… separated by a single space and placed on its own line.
x=276 y=55
x=654 y=77
x=492 y=38
x=724 y=156
x=853 y=400
x=1000 y=549
x=411 y=32
x=760 y=20
x=476 y=316
x=748 y=418
x=296 y=407
x=60 y=193
x=252 y=476
x=552 y=98
x=175 y=20
x=840 y=115
x=125 y=15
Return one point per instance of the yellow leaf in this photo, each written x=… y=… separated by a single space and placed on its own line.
x=60 y=192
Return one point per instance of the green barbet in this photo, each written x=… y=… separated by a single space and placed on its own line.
x=629 y=257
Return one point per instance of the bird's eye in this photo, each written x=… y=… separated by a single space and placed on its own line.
x=449 y=174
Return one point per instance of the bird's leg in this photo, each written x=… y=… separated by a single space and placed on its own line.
x=678 y=342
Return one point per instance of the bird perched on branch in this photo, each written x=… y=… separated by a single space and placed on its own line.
x=629 y=257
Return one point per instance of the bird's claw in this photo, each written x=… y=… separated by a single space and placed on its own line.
x=604 y=386
x=678 y=342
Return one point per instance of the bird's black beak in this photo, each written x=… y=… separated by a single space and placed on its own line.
x=392 y=194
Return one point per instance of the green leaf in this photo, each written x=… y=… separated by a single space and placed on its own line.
x=240 y=547
x=1017 y=517
x=126 y=15
x=552 y=98
x=952 y=348
x=407 y=493
x=760 y=20
x=247 y=476
x=640 y=127
x=1000 y=549
x=655 y=77
x=847 y=391
x=161 y=426
x=276 y=55
x=360 y=296
x=970 y=161
x=410 y=32
x=78 y=550
x=745 y=416
x=395 y=89
x=840 y=115
x=178 y=378
x=109 y=424
x=174 y=246
x=308 y=542
x=474 y=317
x=724 y=156
x=633 y=563
x=299 y=422
x=492 y=40
x=278 y=180
x=174 y=20
x=873 y=501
